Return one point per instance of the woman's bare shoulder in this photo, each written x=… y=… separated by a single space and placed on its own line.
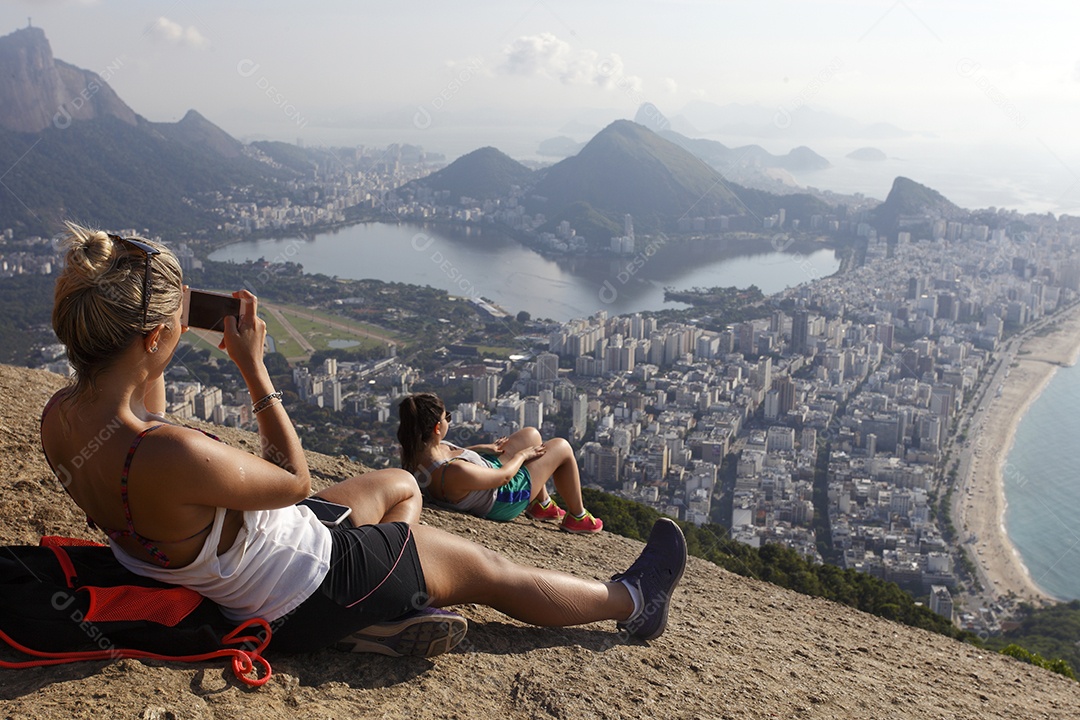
x=172 y=443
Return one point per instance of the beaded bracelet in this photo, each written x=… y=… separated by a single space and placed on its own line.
x=268 y=401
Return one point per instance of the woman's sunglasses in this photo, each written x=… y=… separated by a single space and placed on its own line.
x=149 y=251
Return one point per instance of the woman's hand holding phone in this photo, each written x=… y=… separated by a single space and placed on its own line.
x=244 y=339
x=207 y=310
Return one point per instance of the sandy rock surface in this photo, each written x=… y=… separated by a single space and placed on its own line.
x=735 y=648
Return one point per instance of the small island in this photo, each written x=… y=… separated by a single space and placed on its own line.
x=867 y=154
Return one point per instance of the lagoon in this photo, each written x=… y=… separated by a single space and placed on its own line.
x=483 y=262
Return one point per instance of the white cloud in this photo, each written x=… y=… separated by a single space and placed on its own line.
x=176 y=34
x=671 y=86
x=545 y=55
x=538 y=55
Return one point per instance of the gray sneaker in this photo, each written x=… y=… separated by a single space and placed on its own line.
x=422 y=633
x=655 y=573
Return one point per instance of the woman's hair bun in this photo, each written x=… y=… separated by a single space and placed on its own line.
x=90 y=252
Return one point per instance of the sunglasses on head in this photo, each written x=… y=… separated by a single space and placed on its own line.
x=149 y=251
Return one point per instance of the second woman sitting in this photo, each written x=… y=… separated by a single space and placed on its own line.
x=498 y=480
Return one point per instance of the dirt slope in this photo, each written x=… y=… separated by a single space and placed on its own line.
x=736 y=648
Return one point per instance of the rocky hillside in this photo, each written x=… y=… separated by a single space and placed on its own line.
x=627 y=168
x=73 y=149
x=39 y=91
x=481 y=174
x=911 y=205
x=735 y=648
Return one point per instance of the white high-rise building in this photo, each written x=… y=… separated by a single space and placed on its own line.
x=779 y=437
x=206 y=402
x=485 y=388
x=580 y=414
x=332 y=390
x=534 y=412
x=941 y=601
x=547 y=367
x=512 y=410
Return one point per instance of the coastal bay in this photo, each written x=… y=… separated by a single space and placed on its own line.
x=1027 y=364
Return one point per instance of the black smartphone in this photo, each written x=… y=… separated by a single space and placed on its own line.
x=208 y=310
x=328 y=513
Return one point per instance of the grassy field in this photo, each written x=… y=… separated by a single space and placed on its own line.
x=206 y=340
x=319 y=332
x=292 y=310
x=283 y=341
x=496 y=351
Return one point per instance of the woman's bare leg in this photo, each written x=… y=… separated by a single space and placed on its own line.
x=525 y=438
x=388 y=495
x=559 y=464
x=458 y=571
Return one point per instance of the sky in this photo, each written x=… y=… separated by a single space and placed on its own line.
x=990 y=87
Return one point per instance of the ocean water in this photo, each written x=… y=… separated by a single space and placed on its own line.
x=1042 y=487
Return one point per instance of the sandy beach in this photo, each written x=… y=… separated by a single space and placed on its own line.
x=1027 y=367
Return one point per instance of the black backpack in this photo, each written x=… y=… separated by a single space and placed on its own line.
x=69 y=600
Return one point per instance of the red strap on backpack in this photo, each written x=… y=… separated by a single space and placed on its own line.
x=168 y=607
x=243 y=661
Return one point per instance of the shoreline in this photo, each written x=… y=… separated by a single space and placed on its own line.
x=1025 y=371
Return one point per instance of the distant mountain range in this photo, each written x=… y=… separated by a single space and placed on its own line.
x=724 y=158
x=628 y=169
x=625 y=169
x=799 y=121
x=796 y=123
x=70 y=148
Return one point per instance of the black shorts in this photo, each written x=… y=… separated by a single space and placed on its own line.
x=374 y=576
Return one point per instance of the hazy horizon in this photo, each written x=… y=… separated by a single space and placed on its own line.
x=988 y=92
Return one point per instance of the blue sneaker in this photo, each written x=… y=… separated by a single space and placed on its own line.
x=655 y=574
x=422 y=633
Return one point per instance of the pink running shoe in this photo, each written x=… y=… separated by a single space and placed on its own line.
x=536 y=511
x=587 y=524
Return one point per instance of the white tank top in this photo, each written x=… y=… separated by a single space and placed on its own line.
x=278 y=561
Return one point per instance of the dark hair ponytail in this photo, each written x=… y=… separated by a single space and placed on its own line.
x=417 y=414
